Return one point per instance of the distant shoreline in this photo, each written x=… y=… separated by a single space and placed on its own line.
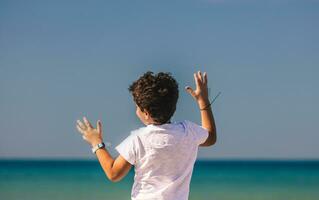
x=198 y=160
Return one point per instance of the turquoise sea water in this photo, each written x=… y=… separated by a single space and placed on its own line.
x=211 y=180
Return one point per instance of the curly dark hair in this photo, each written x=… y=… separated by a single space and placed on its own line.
x=157 y=94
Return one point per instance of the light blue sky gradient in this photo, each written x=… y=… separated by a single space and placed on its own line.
x=61 y=60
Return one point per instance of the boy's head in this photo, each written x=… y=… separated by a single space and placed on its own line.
x=156 y=95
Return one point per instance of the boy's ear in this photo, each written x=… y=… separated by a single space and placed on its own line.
x=147 y=115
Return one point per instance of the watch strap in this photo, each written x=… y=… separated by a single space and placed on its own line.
x=98 y=146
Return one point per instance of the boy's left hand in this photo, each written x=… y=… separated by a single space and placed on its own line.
x=89 y=133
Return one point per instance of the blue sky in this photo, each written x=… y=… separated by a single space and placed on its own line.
x=62 y=60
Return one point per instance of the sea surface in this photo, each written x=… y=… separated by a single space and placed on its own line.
x=211 y=180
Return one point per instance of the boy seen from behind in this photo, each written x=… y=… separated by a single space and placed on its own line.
x=162 y=152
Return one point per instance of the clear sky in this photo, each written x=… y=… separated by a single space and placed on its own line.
x=62 y=60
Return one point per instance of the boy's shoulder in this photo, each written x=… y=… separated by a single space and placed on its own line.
x=189 y=123
x=138 y=131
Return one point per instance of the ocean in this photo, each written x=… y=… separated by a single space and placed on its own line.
x=211 y=180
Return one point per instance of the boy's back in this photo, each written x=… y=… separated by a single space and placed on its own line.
x=163 y=153
x=163 y=156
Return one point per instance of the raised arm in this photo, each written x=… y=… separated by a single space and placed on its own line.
x=201 y=97
x=115 y=169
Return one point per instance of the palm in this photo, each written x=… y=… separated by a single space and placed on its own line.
x=197 y=93
x=89 y=133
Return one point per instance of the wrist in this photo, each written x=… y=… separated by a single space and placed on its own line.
x=97 y=147
x=93 y=144
x=203 y=102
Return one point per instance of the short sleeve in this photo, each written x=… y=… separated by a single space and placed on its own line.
x=200 y=133
x=127 y=148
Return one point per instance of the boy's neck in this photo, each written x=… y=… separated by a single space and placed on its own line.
x=154 y=123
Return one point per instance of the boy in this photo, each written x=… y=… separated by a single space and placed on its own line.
x=163 y=153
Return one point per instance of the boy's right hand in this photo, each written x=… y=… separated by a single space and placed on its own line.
x=201 y=92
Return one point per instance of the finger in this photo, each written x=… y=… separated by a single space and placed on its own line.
x=196 y=80
x=81 y=125
x=205 y=78
x=79 y=129
x=199 y=74
x=84 y=138
x=99 y=126
x=87 y=123
x=190 y=90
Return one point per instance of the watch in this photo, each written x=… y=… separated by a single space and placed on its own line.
x=98 y=146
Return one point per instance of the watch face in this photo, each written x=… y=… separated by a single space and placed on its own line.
x=101 y=145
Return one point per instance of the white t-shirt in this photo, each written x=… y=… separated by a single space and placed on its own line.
x=163 y=157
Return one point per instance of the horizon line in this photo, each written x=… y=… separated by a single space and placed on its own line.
x=200 y=159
